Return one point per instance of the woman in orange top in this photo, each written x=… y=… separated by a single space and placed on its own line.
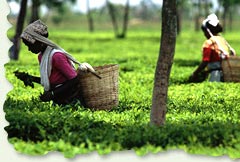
x=214 y=49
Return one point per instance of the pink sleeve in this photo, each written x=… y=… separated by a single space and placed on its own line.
x=60 y=62
x=39 y=58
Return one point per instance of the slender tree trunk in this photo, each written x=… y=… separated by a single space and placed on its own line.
x=206 y=7
x=197 y=18
x=90 y=19
x=164 y=63
x=230 y=19
x=35 y=10
x=113 y=18
x=14 y=50
x=179 y=19
x=225 y=17
x=125 y=20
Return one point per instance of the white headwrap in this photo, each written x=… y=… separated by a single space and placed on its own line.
x=35 y=31
x=211 y=19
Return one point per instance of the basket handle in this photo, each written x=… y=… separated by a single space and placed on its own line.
x=91 y=70
x=95 y=74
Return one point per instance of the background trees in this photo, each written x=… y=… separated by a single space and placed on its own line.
x=189 y=14
x=35 y=11
x=14 y=50
x=114 y=14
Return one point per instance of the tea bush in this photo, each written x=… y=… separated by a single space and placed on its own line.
x=202 y=118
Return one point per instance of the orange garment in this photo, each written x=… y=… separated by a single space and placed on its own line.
x=213 y=47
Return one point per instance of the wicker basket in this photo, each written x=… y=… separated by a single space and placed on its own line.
x=100 y=93
x=231 y=69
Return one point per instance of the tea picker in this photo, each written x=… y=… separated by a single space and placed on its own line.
x=58 y=75
x=214 y=50
x=95 y=88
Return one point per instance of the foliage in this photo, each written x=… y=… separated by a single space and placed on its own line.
x=202 y=118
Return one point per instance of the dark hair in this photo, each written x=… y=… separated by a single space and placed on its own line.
x=214 y=29
x=45 y=35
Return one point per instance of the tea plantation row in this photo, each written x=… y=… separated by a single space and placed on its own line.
x=202 y=118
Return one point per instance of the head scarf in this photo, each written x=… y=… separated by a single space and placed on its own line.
x=212 y=19
x=37 y=27
x=37 y=31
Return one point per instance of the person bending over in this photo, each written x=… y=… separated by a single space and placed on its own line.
x=58 y=75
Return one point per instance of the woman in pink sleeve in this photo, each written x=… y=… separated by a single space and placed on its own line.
x=57 y=73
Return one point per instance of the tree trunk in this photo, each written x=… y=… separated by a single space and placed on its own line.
x=90 y=19
x=230 y=19
x=14 y=50
x=226 y=8
x=113 y=18
x=125 y=21
x=179 y=20
x=197 y=16
x=206 y=7
x=164 y=63
x=35 y=10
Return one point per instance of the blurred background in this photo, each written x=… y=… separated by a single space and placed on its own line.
x=117 y=16
x=77 y=14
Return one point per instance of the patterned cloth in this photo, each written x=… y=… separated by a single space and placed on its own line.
x=36 y=27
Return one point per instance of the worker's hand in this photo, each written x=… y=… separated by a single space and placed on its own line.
x=86 y=67
x=25 y=77
x=232 y=52
x=46 y=96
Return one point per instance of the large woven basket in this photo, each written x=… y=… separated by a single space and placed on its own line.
x=100 y=93
x=231 y=69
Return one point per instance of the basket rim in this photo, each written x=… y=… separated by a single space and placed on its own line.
x=100 y=70
x=105 y=67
